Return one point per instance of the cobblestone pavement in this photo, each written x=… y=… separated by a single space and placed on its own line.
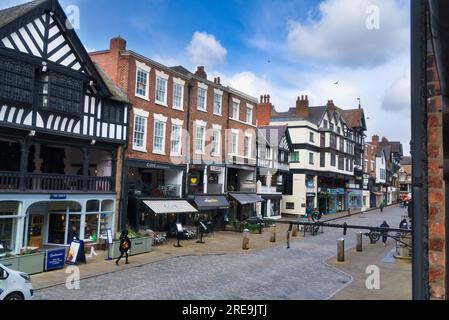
x=273 y=274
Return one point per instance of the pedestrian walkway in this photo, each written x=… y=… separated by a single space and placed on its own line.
x=395 y=274
x=218 y=243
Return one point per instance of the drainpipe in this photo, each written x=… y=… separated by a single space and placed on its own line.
x=189 y=137
x=420 y=266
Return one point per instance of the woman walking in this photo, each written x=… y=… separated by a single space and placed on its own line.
x=125 y=246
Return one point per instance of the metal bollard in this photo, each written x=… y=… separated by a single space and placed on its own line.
x=341 y=250
x=273 y=233
x=288 y=239
x=359 y=247
x=245 y=244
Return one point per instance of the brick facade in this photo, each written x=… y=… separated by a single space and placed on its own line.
x=436 y=191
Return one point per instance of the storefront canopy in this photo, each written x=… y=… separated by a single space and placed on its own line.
x=246 y=198
x=211 y=202
x=171 y=206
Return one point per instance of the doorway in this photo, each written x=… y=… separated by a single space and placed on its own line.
x=36 y=231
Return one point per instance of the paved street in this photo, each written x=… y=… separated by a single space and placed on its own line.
x=271 y=274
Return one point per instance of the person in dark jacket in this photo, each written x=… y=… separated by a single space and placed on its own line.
x=125 y=246
x=383 y=233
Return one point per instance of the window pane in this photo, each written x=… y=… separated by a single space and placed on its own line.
x=176 y=139
x=235 y=110
x=139 y=131
x=199 y=146
x=93 y=206
x=142 y=83
x=217 y=104
x=161 y=88
x=177 y=96
x=159 y=135
x=91 y=226
x=202 y=99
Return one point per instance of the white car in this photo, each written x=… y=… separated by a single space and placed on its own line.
x=15 y=285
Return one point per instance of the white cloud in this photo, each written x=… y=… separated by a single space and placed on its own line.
x=206 y=50
x=340 y=35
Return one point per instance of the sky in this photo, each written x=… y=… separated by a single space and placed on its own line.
x=338 y=50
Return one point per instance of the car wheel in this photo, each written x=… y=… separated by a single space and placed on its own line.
x=14 y=296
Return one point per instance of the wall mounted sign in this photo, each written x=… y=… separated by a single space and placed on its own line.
x=58 y=197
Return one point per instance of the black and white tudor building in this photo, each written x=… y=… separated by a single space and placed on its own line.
x=63 y=126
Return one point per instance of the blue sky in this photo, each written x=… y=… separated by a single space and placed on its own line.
x=279 y=47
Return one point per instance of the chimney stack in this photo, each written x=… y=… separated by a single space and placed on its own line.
x=200 y=72
x=375 y=140
x=264 y=110
x=302 y=106
x=331 y=105
x=117 y=44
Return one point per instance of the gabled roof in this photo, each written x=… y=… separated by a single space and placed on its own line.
x=15 y=18
x=10 y=14
x=355 y=118
x=117 y=93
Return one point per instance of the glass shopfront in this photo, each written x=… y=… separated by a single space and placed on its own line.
x=9 y=214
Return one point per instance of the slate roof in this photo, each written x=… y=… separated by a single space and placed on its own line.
x=181 y=70
x=406 y=161
x=315 y=114
x=117 y=93
x=8 y=15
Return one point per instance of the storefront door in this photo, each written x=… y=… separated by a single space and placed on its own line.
x=35 y=231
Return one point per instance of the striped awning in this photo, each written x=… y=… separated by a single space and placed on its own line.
x=170 y=206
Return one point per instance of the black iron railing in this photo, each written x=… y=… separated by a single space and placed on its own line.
x=36 y=182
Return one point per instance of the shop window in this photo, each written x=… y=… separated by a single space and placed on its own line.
x=91 y=226
x=8 y=225
x=93 y=206
x=107 y=206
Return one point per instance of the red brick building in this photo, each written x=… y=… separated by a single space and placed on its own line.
x=189 y=137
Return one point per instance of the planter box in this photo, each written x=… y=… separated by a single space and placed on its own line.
x=10 y=263
x=138 y=246
x=30 y=263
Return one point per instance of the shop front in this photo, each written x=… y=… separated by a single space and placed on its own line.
x=271 y=207
x=355 y=199
x=242 y=206
x=41 y=221
x=162 y=215
x=212 y=210
x=341 y=200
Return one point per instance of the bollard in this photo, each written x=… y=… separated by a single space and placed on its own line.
x=288 y=239
x=245 y=244
x=273 y=233
x=295 y=232
x=359 y=247
x=341 y=250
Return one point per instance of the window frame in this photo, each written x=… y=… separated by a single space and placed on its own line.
x=216 y=145
x=161 y=78
x=158 y=120
x=201 y=88
x=179 y=151
x=141 y=67
x=140 y=114
x=203 y=138
x=234 y=104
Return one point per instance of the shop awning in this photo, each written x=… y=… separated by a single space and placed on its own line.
x=246 y=198
x=170 y=206
x=211 y=202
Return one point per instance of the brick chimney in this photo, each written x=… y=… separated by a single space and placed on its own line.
x=264 y=109
x=331 y=105
x=118 y=44
x=200 y=72
x=302 y=106
x=375 y=140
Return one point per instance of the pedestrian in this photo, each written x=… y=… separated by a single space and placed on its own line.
x=382 y=207
x=74 y=234
x=384 y=233
x=125 y=246
x=403 y=224
x=316 y=215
